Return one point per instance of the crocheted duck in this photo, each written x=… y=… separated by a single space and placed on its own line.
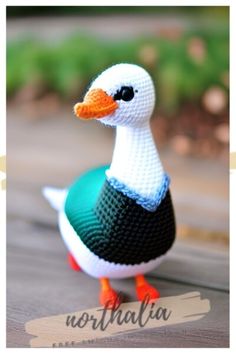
x=118 y=221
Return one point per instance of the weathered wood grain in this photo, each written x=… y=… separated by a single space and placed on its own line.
x=40 y=283
x=196 y=265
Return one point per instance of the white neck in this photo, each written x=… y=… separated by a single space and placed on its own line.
x=136 y=161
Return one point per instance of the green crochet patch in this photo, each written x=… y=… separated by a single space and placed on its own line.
x=82 y=197
x=113 y=226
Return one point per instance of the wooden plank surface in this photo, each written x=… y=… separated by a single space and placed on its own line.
x=39 y=281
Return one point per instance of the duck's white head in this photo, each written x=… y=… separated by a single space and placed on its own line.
x=122 y=95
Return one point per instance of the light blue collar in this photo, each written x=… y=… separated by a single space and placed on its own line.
x=149 y=204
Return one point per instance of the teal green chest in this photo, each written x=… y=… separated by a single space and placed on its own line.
x=113 y=226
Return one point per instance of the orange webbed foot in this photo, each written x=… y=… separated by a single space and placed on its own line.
x=73 y=264
x=108 y=296
x=145 y=291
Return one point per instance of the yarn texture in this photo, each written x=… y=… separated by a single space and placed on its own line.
x=96 y=104
x=118 y=220
x=92 y=264
x=146 y=203
x=136 y=163
x=113 y=226
x=136 y=111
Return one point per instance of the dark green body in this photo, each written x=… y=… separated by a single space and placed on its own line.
x=113 y=226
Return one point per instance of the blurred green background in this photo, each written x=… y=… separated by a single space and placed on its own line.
x=186 y=51
x=18 y=11
x=184 y=63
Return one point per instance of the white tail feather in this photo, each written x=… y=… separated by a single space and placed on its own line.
x=55 y=197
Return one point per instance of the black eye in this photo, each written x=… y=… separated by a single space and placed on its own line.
x=126 y=93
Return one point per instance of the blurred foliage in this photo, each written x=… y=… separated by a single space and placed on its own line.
x=183 y=65
x=23 y=11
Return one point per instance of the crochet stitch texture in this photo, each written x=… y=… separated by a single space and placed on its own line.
x=113 y=226
x=150 y=204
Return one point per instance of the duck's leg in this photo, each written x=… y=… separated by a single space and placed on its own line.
x=72 y=262
x=144 y=289
x=108 y=296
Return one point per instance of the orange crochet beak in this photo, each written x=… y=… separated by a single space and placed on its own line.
x=96 y=104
